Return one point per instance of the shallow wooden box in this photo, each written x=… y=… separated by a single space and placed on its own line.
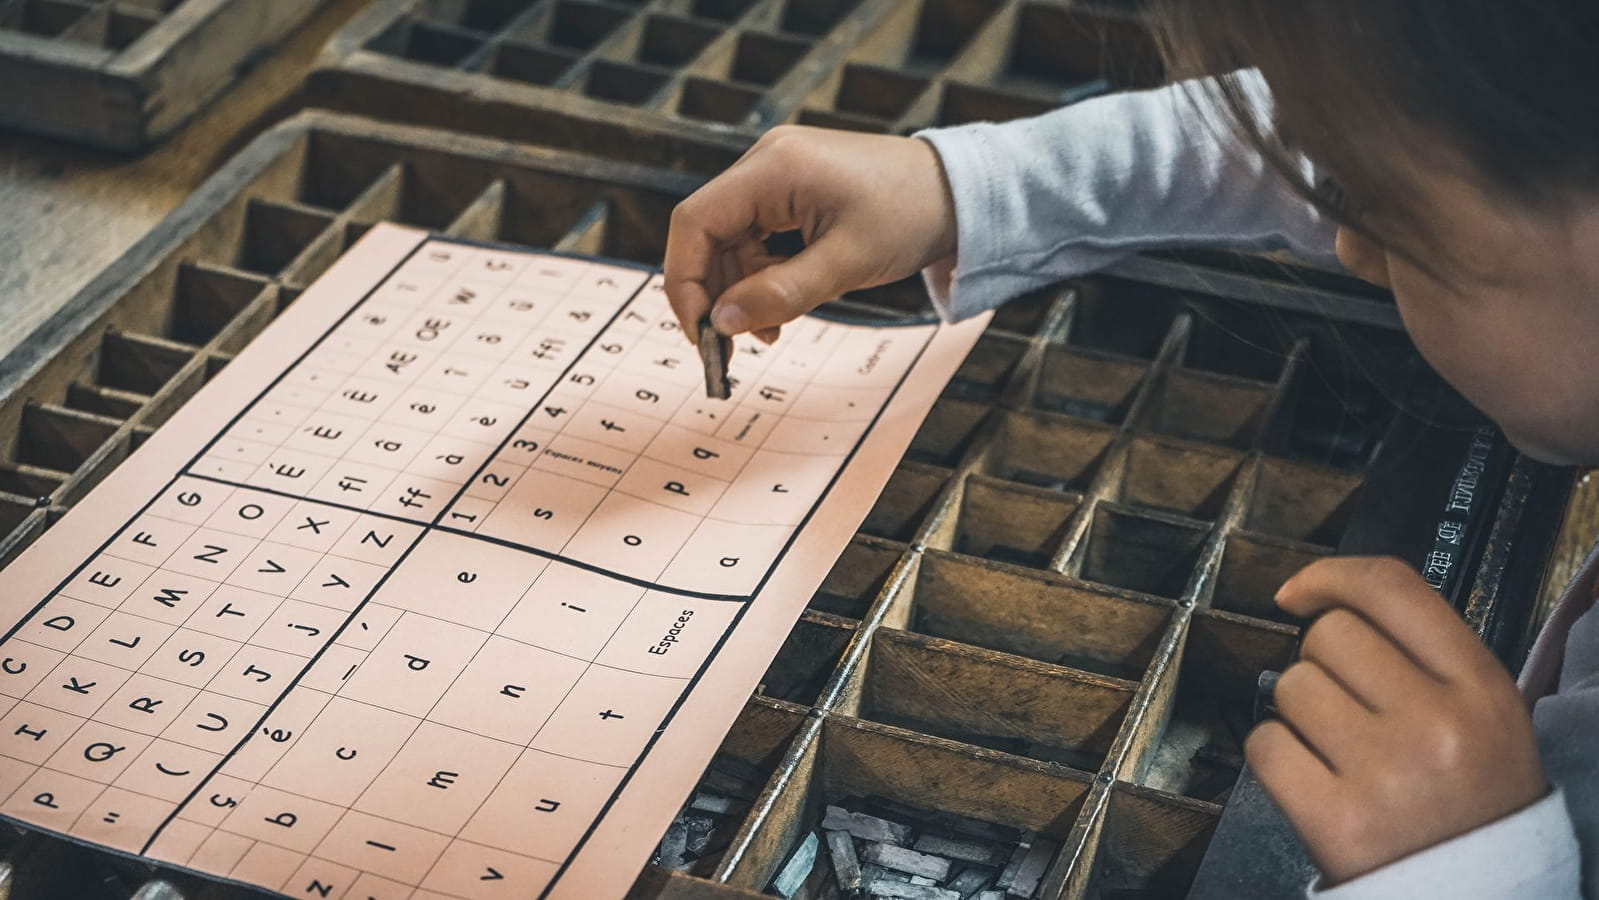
x=688 y=84
x=123 y=74
x=1054 y=616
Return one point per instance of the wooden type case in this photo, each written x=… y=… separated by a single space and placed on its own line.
x=123 y=74
x=689 y=84
x=1052 y=619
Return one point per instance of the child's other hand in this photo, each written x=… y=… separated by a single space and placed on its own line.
x=1399 y=729
x=873 y=209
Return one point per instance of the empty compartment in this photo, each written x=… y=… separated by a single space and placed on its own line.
x=1145 y=552
x=912 y=786
x=139 y=364
x=721 y=10
x=1056 y=47
x=1042 y=616
x=1233 y=338
x=1230 y=411
x=670 y=41
x=964 y=103
x=716 y=102
x=1088 y=385
x=1027 y=314
x=1009 y=523
x=879 y=92
x=807 y=659
x=275 y=235
x=988 y=367
x=14 y=513
x=208 y=300
x=720 y=803
x=28 y=481
x=764 y=59
x=1188 y=479
x=123 y=27
x=1126 y=317
x=1047 y=451
x=1253 y=567
x=815 y=17
x=60 y=439
x=860 y=574
x=1336 y=419
x=1302 y=502
x=947 y=432
x=581 y=26
x=478 y=15
x=439 y=45
x=1200 y=750
x=46 y=18
x=622 y=83
x=1152 y=845
x=104 y=401
x=945 y=26
x=534 y=65
x=906 y=502
x=995 y=700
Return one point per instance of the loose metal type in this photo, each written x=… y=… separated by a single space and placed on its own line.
x=1054 y=618
x=690 y=83
x=123 y=74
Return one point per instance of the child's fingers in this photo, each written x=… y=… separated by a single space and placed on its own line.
x=1394 y=598
x=1296 y=778
x=779 y=293
x=1367 y=662
x=1326 y=716
x=729 y=209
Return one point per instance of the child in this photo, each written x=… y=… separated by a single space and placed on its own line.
x=1446 y=149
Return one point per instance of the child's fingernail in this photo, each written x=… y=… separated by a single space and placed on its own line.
x=730 y=320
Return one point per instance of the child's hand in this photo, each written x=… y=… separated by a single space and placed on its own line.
x=873 y=209
x=1399 y=729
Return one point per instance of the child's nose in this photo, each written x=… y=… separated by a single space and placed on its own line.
x=1363 y=256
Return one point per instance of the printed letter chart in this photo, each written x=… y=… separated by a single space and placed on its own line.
x=449 y=585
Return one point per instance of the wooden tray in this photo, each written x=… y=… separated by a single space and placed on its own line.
x=1054 y=617
x=689 y=84
x=123 y=74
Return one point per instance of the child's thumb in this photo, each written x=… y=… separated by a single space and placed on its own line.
x=787 y=290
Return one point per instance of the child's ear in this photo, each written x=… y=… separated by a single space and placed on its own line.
x=1363 y=256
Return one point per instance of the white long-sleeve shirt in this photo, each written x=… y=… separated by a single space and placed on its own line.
x=1043 y=199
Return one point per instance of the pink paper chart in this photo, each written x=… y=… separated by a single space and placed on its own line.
x=429 y=573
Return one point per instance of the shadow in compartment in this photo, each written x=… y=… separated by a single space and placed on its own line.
x=1007 y=522
x=1041 y=616
x=906 y=502
x=1149 y=552
x=1128 y=318
x=1178 y=477
x=1151 y=846
x=1088 y=384
x=990 y=699
x=808 y=658
x=1047 y=451
x=947 y=432
x=858 y=577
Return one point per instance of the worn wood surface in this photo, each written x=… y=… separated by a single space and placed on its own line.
x=69 y=211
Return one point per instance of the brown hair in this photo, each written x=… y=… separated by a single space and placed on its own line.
x=1510 y=86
